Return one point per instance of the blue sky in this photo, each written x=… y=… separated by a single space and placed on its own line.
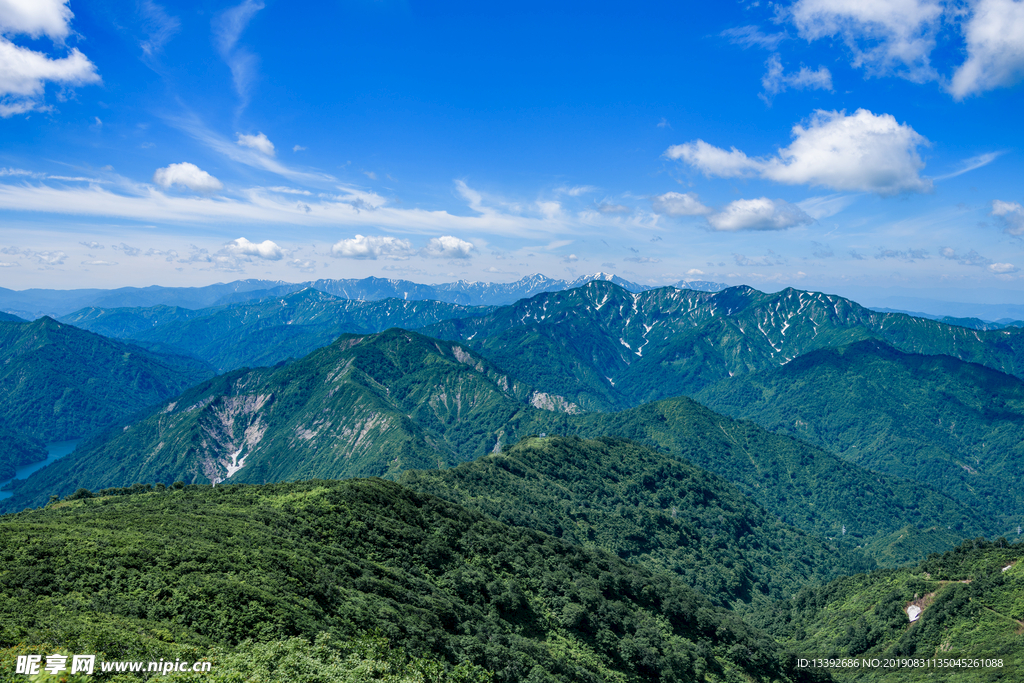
x=838 y=145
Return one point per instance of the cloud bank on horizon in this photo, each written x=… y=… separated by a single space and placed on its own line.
x=729 y=142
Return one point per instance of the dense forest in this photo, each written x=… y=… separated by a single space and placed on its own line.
x=114 y=574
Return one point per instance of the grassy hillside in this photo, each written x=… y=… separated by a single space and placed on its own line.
x=956 y=426
x=150 y=574
x=645 y=507
x=58 y=382
x=970 y=602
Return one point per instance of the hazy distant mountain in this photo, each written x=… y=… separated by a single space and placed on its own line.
x=34 y=303
x=604 y=347
x=264 y=332
x=58 y=382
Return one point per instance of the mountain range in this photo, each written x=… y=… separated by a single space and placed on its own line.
x=35 y=303
x=561 y=507
x=378 y=405
x=265 y=331
x=604 y=347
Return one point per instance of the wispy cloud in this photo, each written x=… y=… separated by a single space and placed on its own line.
x=227 y=30
x=160 y=27
x=350 y=207
x=971 y=164
x=191 y=125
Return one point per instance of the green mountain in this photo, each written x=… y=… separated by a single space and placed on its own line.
x=378 y=405
x=264 y=332
x=645 y=507
x=10 y=318
x=969 y=604
x=956 y=426
x=369 y=405
x=116 y=576
x=17 y=450
x=801 y=484
x=126 y=323
x=58 y=382
x=605 y=348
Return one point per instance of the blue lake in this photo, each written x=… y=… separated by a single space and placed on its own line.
x=56 y=450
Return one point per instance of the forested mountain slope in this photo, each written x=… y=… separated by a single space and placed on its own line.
x=344 y=558
x=58 y=382
x=956 y=426
x=263 y=332
x=646 y=507
x=606 y=348
x=802 y=484
x=364 y=406
x=17 y=450
x=969 y=604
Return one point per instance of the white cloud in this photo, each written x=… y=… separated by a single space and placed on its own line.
x=266 y=249
x=91 y=245
x=885 y=36
x=299 y=148
x=1012 y=215
x=447 y=246
x=187 y=175
x=679 y=204
x=550 y=210
x=361 y=247
x=775 y=80
x=758 y=214
x=36 y=18
x=858 y=152
x=258 y=142
x=24 y=74
x=995 y=48
x=1003 y=268
x=302 y=265
x=99 y=263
